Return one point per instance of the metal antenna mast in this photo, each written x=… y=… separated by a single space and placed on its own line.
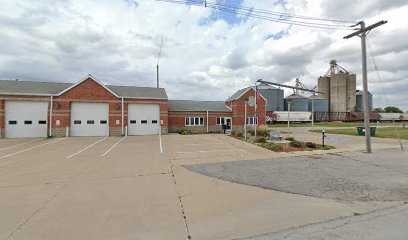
x=157 y=65
x=362 y=33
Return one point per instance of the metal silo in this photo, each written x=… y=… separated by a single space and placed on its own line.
x=298 y=103
x=320 y=104
x=274 y=97
x=360 y=103
x=351 y=92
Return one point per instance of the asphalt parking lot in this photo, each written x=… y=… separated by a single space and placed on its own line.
x=127 y=188
x=349 y=176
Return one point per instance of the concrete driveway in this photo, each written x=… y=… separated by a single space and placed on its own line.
x=114 y=188
x=65 y=189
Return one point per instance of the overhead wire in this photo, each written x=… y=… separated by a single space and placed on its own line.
x=274 y=16
x=397 y=133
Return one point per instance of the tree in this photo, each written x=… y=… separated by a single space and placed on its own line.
x=379 y=110
x=392 y=110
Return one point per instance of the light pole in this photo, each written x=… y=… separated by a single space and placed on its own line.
x=288 y=117
x=313 y=98
x=245 y=117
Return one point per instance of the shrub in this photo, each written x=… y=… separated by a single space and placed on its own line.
x=290 y=139
x=311 y=145
x=297 y=144
x=260 y=140
x=276 y=147
x=185 y=132
x=252 y=132
x=272 y=146
x=239 y=134
x=263 y=130
x=233 y=133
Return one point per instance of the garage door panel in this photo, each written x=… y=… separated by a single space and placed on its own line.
x=26 y=119
x=89 y=119
x=143 y=119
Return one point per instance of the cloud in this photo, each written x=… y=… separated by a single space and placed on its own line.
x=204 y=49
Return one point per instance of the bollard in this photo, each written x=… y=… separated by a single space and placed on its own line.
x=323 y=136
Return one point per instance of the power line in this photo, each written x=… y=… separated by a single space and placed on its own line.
x=376 y=70
x=281 y=13
x=269 y=15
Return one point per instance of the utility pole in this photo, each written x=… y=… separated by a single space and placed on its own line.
x=362 y=33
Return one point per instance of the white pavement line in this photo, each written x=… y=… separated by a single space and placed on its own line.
x=36 y=140
x=221 y=150
x=114 y=145
x=93 y=144
x=31 y=148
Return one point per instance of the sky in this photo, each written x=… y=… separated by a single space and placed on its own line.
x=206 y=54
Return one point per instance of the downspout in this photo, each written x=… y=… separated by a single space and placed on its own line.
x=207 y=121
x=123 y=117
x=50 y=121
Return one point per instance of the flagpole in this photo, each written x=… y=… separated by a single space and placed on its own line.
x=256 y=93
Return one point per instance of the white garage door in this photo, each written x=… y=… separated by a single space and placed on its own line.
x=26 y=119
x=89 y=119
x=143 y=119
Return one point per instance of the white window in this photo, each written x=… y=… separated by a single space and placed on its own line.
x=194 y=121
x=252 y=121
x=221 y=120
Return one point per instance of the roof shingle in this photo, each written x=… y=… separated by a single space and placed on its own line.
x=197 y=106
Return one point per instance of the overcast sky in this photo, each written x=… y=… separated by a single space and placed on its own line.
x=207 y=54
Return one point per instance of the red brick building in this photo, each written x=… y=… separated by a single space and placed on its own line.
x=255 y=114
x=90 y=108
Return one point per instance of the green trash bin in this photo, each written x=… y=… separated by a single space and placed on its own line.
x=361 y=131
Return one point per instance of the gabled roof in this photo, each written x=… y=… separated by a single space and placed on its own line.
x=240 y=93
x=197 y=106
x=84 y=79
x=14 y=87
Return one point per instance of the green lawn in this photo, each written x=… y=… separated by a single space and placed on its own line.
x=381 y=132
x=332 y=124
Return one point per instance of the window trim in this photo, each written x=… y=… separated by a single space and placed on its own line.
x=251 y=121
x=193 y=121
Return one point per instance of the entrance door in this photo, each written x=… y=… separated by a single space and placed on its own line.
x=228 y=122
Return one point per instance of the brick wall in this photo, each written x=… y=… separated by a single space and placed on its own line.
x=177 y=121
x=238 y=109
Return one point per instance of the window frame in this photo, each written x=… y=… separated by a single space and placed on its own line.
x=193 y=121
x=251 y=121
